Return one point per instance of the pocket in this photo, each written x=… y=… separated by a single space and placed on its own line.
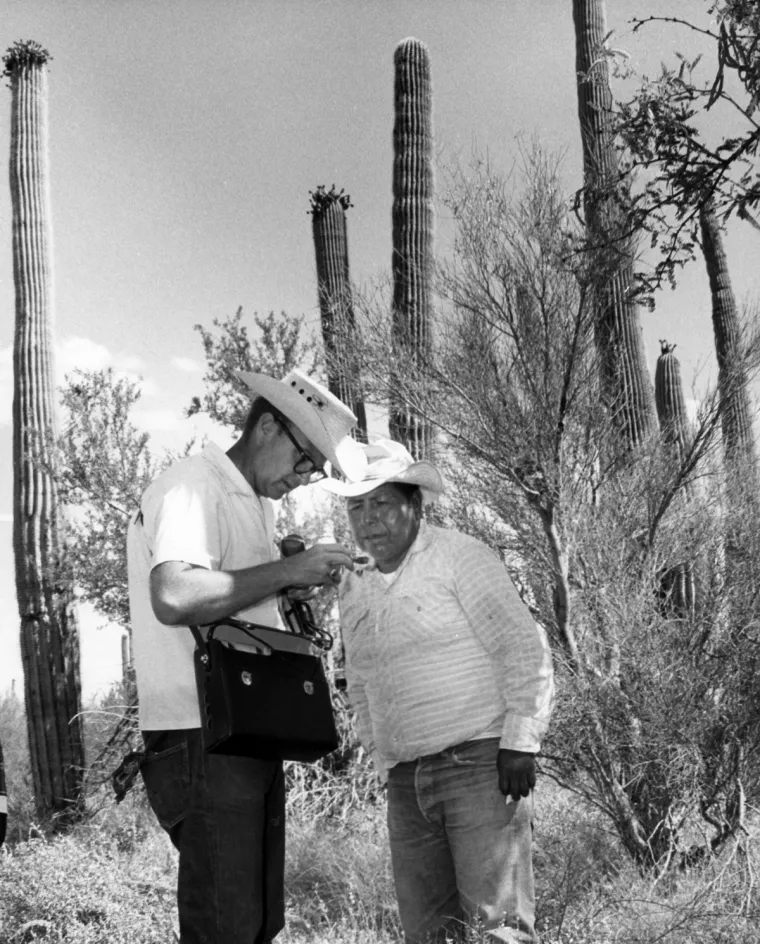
x=482 y=752
x=166 y=775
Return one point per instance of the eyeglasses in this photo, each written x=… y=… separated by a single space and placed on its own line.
x=304 y=465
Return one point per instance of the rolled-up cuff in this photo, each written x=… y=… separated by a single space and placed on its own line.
x=521 y=734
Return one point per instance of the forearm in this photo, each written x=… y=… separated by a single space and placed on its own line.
x=185 y=595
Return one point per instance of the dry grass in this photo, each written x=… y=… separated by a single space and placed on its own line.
x=112 y=879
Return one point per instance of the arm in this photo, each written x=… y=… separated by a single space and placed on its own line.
x=185 y=532
x=357 y=694
x=521 y=657
x=183 y=594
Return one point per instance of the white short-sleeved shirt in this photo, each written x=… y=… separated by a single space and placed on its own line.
x=199 y=511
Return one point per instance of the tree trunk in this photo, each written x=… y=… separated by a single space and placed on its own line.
x=626 y=384
x=328 y=217
x=413 y=222
x=49 y=631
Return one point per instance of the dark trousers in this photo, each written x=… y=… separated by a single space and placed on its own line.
x=226 y=817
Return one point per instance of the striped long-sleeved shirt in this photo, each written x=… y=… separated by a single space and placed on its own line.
x=443 y=653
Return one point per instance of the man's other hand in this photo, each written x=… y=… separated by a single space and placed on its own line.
x=517 y=773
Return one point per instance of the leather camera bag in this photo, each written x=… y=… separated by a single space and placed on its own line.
x=274 y=707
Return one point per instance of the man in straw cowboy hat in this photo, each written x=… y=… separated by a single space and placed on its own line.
x=201 y=548
x=452 y=684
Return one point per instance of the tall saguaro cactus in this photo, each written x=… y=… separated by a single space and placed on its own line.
x=328 y=222
x=738 y=442
x=413 y=224
x=49 y=631
x=626 y=383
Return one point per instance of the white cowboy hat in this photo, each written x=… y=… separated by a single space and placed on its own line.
x=319 y=415
x=389 y=461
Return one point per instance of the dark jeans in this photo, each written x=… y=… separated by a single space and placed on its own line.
x=226 y=816
x=461 y=851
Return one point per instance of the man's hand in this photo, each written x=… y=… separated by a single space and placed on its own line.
x=318 y=566
x=517 y=773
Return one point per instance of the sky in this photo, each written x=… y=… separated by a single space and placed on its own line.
x=185 y=138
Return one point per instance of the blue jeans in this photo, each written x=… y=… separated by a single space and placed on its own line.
x=461 y=851
x=226 y=817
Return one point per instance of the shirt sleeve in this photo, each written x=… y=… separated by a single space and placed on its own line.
x=357 y=692
x=183 y=518
x=516 y=645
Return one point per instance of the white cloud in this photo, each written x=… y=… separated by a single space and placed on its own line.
x=159 y=419
x=81 y=354
x=186 y=364
x=75 y=353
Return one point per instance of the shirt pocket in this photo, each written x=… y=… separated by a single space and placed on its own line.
x=435 y=618
x=356 y=630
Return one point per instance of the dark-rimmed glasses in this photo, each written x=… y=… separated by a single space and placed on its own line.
x=304 y=465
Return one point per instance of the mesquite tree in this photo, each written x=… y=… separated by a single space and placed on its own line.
x=328 y=220
x=625 y=380
x=693 y=129
x=413 y=222
x=49 y=630
x=655 y=723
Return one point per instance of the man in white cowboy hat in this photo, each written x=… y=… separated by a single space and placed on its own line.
x=201 y=548
x=452 y=684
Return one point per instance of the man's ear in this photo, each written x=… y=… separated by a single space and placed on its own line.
x=265 y=427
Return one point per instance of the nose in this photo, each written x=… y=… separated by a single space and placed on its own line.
x=368 y=513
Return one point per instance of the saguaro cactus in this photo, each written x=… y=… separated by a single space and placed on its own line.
x=669 y=398
x=413 y=223
x=626 y=383
x=328 y=223
x=738 y=442
x=678 y=581
x=49 y=631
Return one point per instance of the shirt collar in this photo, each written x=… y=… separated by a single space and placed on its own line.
x=421 y=542
x=234 y=479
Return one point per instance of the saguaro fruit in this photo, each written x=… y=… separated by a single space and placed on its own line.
x=49 y=631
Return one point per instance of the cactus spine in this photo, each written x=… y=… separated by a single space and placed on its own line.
x=738 y=443
x=328 y=221
x=413 y=223
x=626 y=384
x=49 y=631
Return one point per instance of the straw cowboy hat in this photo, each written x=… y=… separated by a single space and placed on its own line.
x=389 y=461
x=324 y=419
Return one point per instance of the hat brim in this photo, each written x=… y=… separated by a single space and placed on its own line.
x=422 y=473
x=346 y=454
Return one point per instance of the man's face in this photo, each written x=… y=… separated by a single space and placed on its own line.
x=384 y=523
x=273 y=455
